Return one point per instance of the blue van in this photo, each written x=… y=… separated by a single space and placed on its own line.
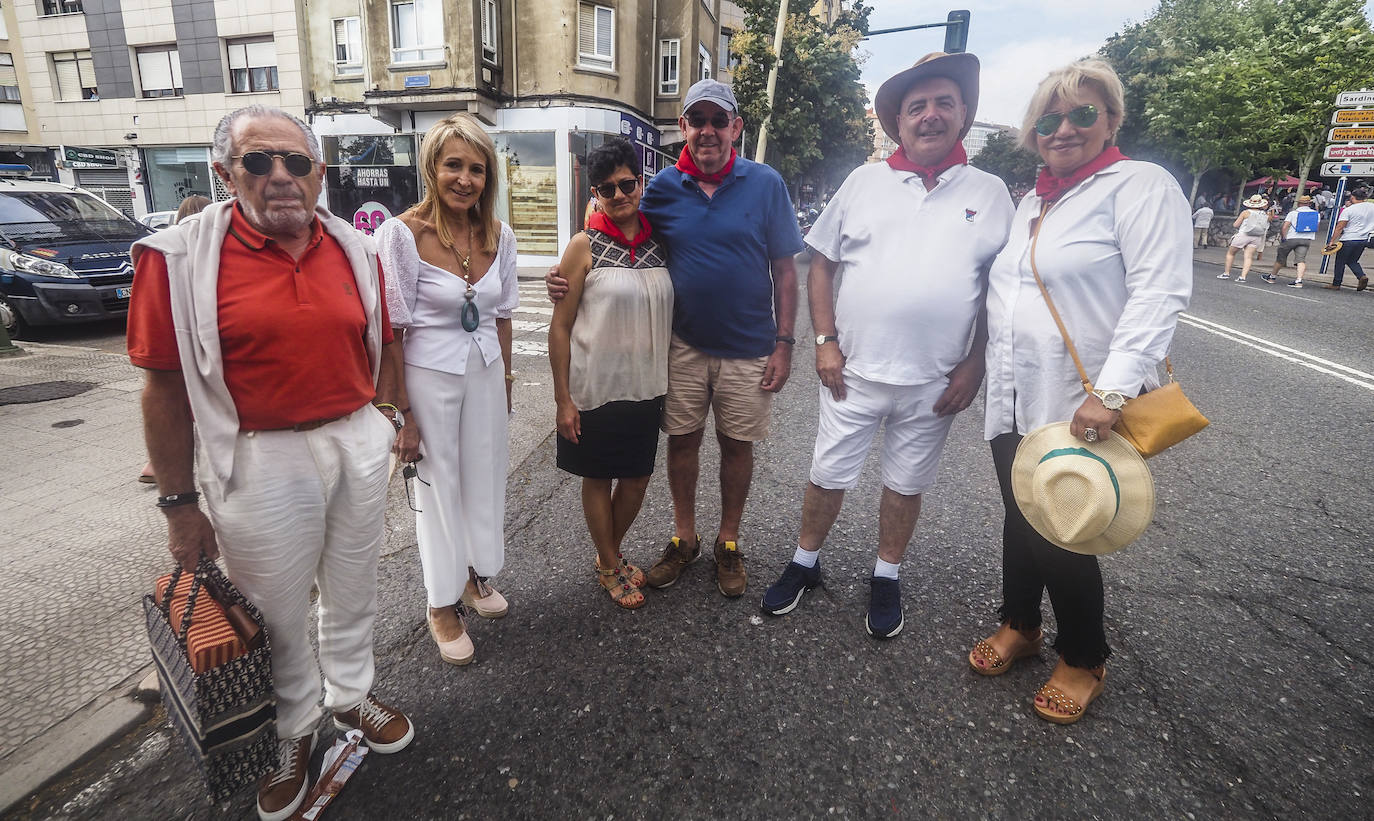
x=64 y=254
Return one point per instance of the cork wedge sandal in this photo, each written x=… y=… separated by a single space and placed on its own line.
x=995 y=664
x=1060 y=708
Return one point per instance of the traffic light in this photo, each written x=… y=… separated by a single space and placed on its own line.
x=956 y=31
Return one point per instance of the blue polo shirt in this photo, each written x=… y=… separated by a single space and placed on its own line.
x=719 y=250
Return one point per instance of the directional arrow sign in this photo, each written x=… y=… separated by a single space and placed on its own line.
x=1355 y=98
x=1343 y=169
x=1350 y=116
x=1349 y=152
x=1341 y=135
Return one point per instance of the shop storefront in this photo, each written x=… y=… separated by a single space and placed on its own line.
x=40 y=160
x=370 y=178
x=101 y=171
x=174 y=173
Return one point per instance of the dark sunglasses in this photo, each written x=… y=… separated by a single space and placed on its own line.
x=718 y=120
x=607 y=189
x=259 y=163
x=1082 y=117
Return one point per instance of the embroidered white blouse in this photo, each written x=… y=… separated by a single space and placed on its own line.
x=1116 y=255
x=427 y=301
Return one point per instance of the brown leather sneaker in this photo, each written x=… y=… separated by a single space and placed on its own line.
x=386 y=729
x=730 y=575
x=281 y=791
x=675 y=559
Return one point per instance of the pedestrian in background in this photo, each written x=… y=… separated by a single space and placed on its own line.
x=1296 y=233
x=451 y=291
x=1354 y=226
x=1202 y=223
x=608 y=347
x=262 y=330
x=1110 y=239
x=1251 y=225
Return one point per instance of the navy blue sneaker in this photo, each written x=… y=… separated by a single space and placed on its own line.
x=786 y=593
x=884 y=608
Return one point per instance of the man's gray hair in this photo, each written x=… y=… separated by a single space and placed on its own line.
x=220 y=149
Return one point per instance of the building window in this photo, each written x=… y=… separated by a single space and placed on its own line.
x=667 y=65
x=703 y=63
x=9 y=80
x=252 y=65
x=725 y=59
x=75 y=75
x=595 y=36
x=159 y=71
x=51 y=7
x=348 y=46
x=491 y=32
x=417 y=31
x=4 y=32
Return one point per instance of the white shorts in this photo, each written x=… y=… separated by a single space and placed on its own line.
x=913 y=439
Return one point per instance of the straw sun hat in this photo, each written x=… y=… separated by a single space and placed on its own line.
x=1257 y=201
x=1087 y=498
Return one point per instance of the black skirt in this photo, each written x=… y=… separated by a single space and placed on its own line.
x=619 y=441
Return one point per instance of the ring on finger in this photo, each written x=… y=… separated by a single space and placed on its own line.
x=1090 y=434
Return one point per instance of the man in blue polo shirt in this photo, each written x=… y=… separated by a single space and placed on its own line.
x=731 y=235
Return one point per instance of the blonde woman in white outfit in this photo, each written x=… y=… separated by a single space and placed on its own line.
x=451 y=288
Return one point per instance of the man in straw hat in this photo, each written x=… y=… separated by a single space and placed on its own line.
x=1297 y=232
x=903 y=345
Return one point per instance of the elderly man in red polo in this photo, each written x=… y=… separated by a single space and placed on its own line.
x=261 y=323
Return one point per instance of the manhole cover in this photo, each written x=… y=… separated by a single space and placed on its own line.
x=42 y=392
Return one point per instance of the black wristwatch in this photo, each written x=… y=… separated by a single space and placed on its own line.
x=821 y=339
x=186 y=497
x=790 y=340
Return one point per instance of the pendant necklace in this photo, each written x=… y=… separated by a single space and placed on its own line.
x=469 y=315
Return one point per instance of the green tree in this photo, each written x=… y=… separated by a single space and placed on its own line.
x=819 y=131
x=1004 y=156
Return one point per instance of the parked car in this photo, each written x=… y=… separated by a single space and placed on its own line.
x=64 y=254
x=157 y=220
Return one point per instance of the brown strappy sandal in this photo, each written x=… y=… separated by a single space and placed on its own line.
x=629 y=571
x=996 y=664
x=1060 y=707
x=622 y=592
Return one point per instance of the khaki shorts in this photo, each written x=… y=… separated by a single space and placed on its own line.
x=1297 y=247
x=698 y=382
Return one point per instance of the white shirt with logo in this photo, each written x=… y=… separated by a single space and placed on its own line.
x=911 y=266
x=1292 y=222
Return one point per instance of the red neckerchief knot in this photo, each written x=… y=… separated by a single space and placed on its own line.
x=686 y=166
x=928 y=174
x=602 y=223
x=1050 y=188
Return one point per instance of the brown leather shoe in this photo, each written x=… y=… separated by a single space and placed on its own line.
x=1364 y=283
x=281 y=791
x=386 y=729
x=1332 y=287
x=730 y=575
x=675 y=559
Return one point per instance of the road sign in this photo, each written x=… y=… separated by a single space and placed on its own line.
x=1349 y=152
x=1355 y=98
x=1350 y=116
x=1342 y=135
x=1348 y=169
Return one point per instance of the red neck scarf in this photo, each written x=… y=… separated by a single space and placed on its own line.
x=602 y=223
x=686 y=166
x=1050 y=188
x=900 y=161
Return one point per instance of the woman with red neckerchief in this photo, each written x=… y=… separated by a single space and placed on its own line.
x=608 y=347
x=1113 y=248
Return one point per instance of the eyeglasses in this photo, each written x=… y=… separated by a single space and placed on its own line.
x=720 y=119
x=259 y=163
x=607 y=189
x=1082 y=117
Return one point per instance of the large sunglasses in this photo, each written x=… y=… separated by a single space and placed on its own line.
x=607 y=189
x=259 y=163
x=1082 y=117
x=718 y=120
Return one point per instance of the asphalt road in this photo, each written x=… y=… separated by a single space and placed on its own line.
x=1240 y=686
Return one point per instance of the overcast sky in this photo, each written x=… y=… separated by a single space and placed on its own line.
x=1017 y=41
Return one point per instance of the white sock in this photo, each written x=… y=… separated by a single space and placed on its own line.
x=885 y=570
x=806 y=558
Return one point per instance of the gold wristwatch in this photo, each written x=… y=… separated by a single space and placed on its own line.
x=1111 y=400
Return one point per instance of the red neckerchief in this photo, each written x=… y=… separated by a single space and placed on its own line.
x=686 y=166
x=1050 y=188
x=900 y=161
x=602 y=223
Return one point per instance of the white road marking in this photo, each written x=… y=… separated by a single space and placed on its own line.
x=524 y=347
x=526 y=325
x=1270 y=290
x=1307 y=360
x=534 y=309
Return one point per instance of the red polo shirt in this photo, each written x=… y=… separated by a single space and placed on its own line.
x=291 y=331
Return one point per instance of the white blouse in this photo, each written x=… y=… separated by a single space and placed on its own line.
x=427 y=301
x=1116 y=255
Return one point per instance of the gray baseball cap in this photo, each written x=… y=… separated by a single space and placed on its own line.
x=711 y=91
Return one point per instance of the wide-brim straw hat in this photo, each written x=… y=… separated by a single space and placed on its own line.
x=962 y=68
x=1090 y=498
x=1256 y=201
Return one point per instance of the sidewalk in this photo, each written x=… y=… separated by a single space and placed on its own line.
x=1216 y=255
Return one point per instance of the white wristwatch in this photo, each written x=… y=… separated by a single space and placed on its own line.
x=1111 y=400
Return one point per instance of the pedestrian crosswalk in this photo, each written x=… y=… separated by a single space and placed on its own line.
x=530 y=322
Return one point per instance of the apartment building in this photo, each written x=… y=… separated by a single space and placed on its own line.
x=549 y=79
x=122 y=96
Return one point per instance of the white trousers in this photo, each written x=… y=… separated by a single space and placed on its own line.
x=307 y=508
x=462 y=499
